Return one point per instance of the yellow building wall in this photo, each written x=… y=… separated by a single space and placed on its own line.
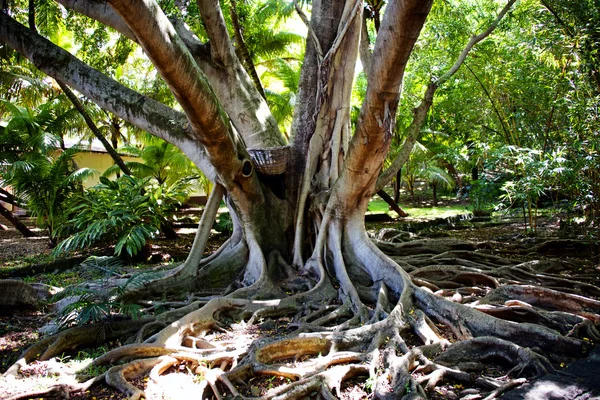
x=99 y=162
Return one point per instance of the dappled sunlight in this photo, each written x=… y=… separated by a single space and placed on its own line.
x=547 y=389
x=174 y=386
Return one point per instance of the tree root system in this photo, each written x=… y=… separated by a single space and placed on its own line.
x=439 y=315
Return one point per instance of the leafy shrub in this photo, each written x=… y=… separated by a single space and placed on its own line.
x=41 y=175
x=127 y=212
x=223 y=223
x=483 y=194
x=95 y=305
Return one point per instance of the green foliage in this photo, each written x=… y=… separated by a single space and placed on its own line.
x=223 y=223
x=262 y=25
x=105 y=302
x=370 y=384
x=165 y=164
x=282 y=101
x=127 y=212
x=483 y=196
x=42 y=175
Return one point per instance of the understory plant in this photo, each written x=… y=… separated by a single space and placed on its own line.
x=483 y=195
x=126 y=212
x=33 y=166
x=535 y=174
x=102 y=303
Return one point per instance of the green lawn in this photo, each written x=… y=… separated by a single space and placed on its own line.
x=377 y=206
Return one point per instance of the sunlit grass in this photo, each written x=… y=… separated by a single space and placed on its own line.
x=377 y=206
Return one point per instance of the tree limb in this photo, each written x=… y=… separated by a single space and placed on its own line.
x=92 y=126
x=171 y=58
x=421 y=111
x=101 y=12
x=247 y=110
x=25 y=231
x=139 y=110
x=8 y=197
x=221 y=48
x=366 y=54
x=373 y=134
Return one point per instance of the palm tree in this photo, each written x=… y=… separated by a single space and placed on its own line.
x=422 y=164
x=282 y=102
x=40 y=173
x=256 y=27
x=161 y=161
x=168 y=166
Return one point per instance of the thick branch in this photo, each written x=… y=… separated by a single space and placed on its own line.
x=15 y=222
x=246 y=108
x=101 y=12
x=221 y=48
x=8 y=197
x=139 y=110
x=90 y=123
x=324 y=23
x=412 y=135
x=400 y=29
x=366 y=54
x=386 y=197
x=172 y=59
x=248 y=111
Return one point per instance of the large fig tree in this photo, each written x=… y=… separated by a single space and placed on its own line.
x=299 y=247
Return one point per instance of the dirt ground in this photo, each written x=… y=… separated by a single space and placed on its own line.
x=18 y=331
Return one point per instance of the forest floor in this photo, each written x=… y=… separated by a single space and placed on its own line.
x=505 y=237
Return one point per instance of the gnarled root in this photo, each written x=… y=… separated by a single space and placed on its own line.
x=363 y=317
x=73 y=338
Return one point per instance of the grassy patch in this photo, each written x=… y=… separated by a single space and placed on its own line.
x=443 y=211
x=60 y=279
x=43 y=258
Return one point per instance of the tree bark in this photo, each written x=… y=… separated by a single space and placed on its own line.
x=139 y=110
x=392 y=203
x=247 y=109
x=324 y=23
x=345 y=277
x=8 y=197
x=14 y=220
x=397 y=185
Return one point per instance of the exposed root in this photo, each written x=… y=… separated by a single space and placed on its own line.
x=118 y=376
x=362 y=316
x=63 y=391
x=464 y=354
x=73 y=338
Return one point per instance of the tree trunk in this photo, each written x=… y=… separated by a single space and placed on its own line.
x=397 y=185
x=392 y=203
x=14 y=220
x=474 y=173
x=420 y=112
